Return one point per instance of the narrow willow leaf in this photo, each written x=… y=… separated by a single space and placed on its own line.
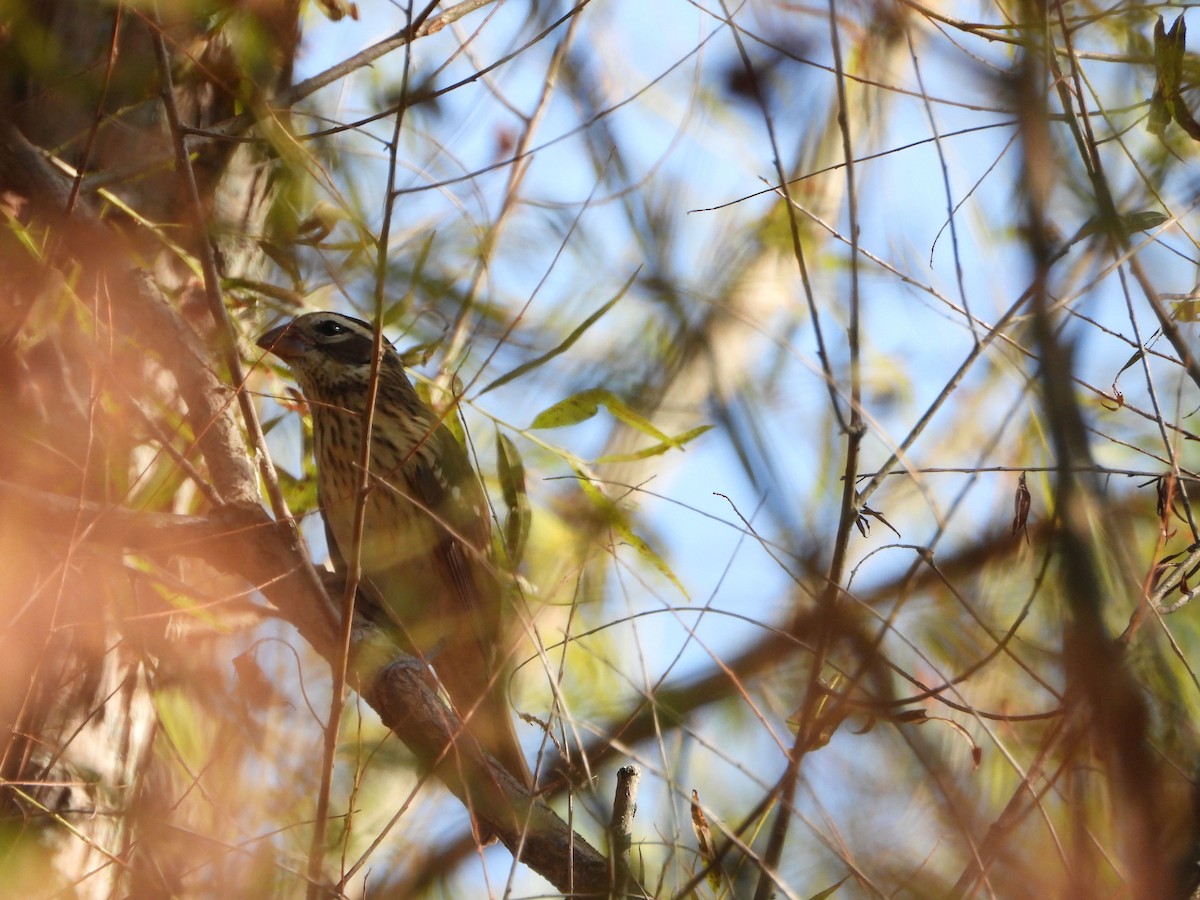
x=1137 y=356
x=1185 y=311
x=268 y=425
x=582 y=406
x=677 y=442
x=829 y=891
x=319 y=224
x=571 y=411
x=417 y=272
x=566 y=344
x=512 y=483
x=285 y=259
x=619 y=410
x=618 y=522
x=1127 y=224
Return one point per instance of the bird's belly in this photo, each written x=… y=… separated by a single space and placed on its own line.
x=396 y=532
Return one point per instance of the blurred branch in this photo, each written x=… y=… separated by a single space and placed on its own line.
x=227 y=339
x=242 y=540
x=675 y=700
x=422 y=26
x=1099 y=682
x=459 y=331
x=248 y=543
x=140 y=311
x=233 y=129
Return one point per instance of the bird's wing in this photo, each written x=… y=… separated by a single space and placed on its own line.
x=457 y=594
x=467 y=663
x=455 y=498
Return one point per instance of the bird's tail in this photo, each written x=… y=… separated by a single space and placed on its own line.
x=485 y=710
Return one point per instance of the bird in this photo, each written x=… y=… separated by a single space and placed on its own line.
x=425 y=554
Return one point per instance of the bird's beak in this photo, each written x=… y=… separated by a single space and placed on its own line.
x=284 y=341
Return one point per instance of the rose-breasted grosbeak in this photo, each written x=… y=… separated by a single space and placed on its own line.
x=425 y=553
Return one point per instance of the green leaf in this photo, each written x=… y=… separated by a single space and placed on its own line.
x=268 y=425
x=1142 y=221
x=512 y=483
x=582 y=406
x=1185 y=311
x=829 y=891
x=1126 y=224
x=566 y=344
x=285 y=259
x=1165 y=81
x=571 y=411
x=658 y=449
x=1166 y=103
x=620 y=524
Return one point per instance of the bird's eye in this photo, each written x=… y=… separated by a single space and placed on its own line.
x=330 y=328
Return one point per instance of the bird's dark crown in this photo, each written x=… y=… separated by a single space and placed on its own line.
x=327 y=349
x=323 y=336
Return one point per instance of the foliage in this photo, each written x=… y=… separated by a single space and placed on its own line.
x=877 y=562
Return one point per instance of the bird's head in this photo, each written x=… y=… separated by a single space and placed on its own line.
x=326 y=351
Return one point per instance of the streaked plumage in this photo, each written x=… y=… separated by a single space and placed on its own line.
x=426 y=546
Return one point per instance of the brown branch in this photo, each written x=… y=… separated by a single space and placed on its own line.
x=421 y=27
x=527 y=826
x=620 y=828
